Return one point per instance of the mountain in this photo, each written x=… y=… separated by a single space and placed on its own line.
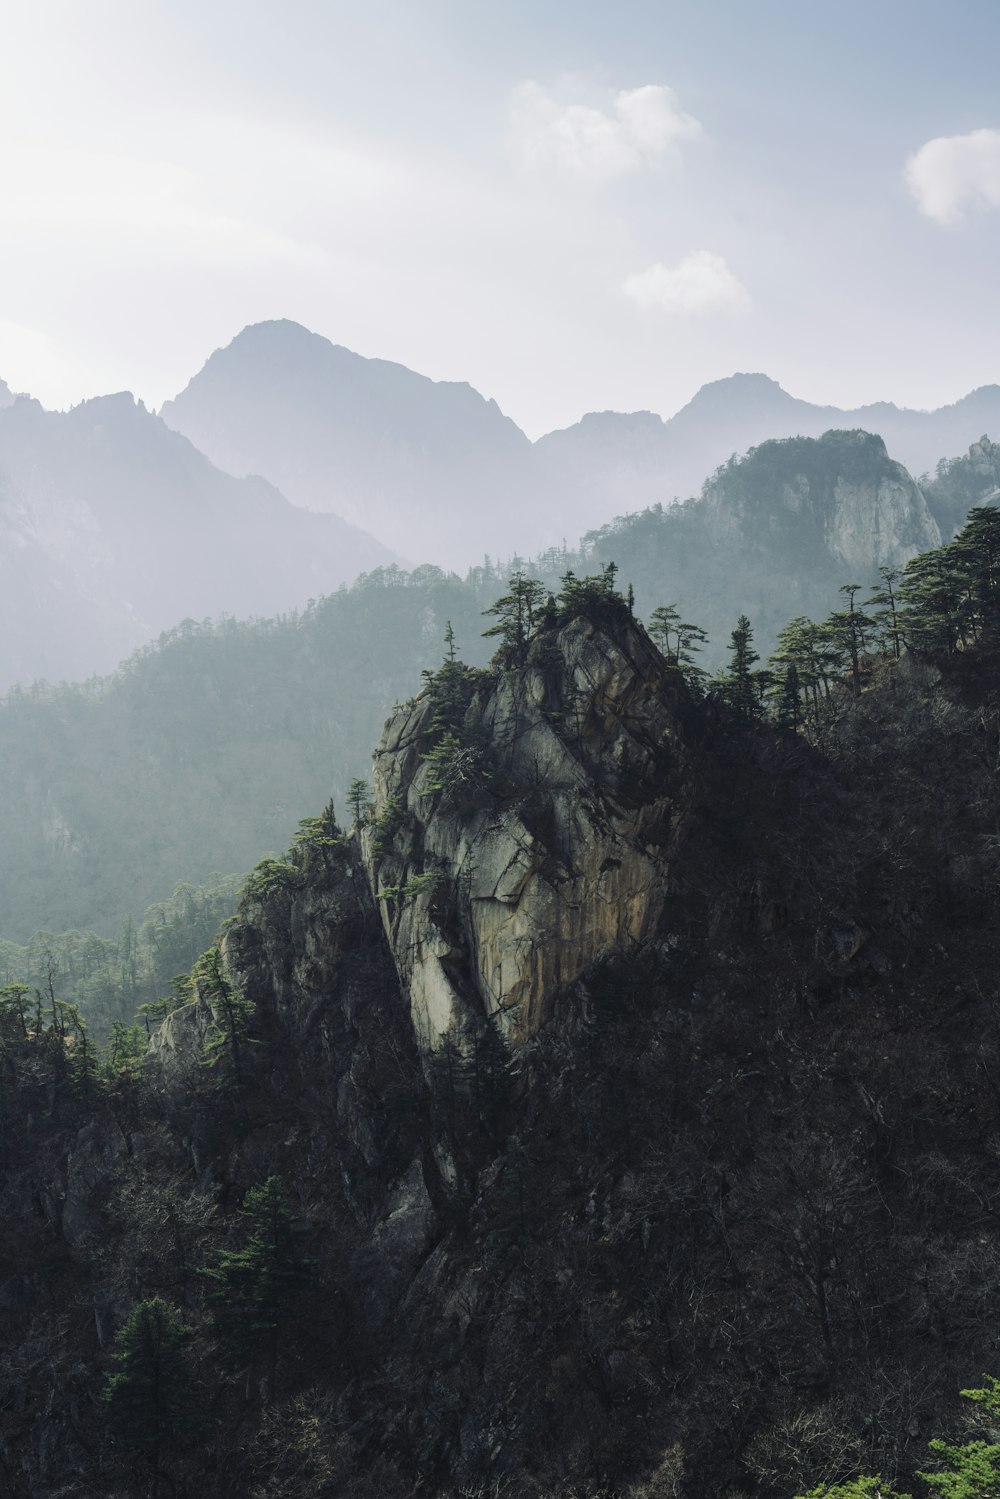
x=610 y=1111
x=113 y=528
x=220 y=732
x=961 y=483
x=433 y=469
x=773 y=535
x=440 y=474
x=627 y=462
x=200 y=752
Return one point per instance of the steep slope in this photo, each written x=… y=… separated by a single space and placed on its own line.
x=714 y=1219
x=128 y=529
x=958 y=485
x=773 y=535
x=434 y=470
x=547 y=841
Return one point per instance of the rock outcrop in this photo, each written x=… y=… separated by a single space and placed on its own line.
x=552 y=842
x=841 y=495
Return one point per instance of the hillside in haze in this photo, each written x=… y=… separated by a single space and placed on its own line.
x=114 y=528
x=202 y=750
x=434 y=470
x=440 y=474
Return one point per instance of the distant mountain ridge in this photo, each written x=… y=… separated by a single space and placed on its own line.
x=113 y=528
x=439 y=473
x=639 y=459
x=367 y=439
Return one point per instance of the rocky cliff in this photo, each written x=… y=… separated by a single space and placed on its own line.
x=629 y=1078
x=842 y=496
x=551 y=843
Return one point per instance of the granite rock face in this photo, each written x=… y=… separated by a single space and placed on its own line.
x=549 y=848
x=841 y=495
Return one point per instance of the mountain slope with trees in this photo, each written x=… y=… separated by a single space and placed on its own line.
x=198 y=754
x=717 y=1221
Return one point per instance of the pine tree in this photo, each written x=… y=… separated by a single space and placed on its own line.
x=858 y=1488
x=254 y=1290
x=232 y=1015
x=149 y=1396
x=972 y=1470
x=517 y=614
x=740 y=687
x=359 y=800
x=886 y=619
x=678 y=640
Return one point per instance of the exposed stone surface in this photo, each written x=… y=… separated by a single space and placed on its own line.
x=493 y=899
x=843 y=493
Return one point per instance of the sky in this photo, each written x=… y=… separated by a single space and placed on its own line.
x=571 y=205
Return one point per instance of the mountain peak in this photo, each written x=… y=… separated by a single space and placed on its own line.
x=741 y=390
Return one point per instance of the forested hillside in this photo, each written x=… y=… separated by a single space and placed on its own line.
x=202 y=752
x=703 y=1212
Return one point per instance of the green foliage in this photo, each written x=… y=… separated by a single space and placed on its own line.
x=740 y=687
x=518 y=613
x=593 y=598
x=678 y=641
x=418 y=884
x=972 y=1470
x=204 y=748
x=858 y=1488
x=114 y=978
x=268 y=876
x=961 y=483
x=359 y=800
x=150 y=1396
x=232 y=1017
x=255 y=1290
x=387 y=823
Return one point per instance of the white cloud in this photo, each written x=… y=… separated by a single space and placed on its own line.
x=701 y=282
x=953 y=173
x=642 y=125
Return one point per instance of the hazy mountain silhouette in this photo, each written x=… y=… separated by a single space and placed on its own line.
x=613 y=462
x=113 y=528
x=439 y=473
x=432 y=468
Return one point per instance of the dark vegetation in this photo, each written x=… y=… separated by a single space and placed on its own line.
x=728 y=1226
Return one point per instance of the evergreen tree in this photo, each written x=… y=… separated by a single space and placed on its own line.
x=149 y=1396
x=858 y=1488
x=517 y=614
x=255 y=1290
x=594 y=598
x=232 y=1015
x=845 y=629
x=678 y=640
x=740 y=687
x=972 y=1470
x=359 y=800
x=886 y=620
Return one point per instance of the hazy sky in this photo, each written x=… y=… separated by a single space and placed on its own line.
x=573 y=205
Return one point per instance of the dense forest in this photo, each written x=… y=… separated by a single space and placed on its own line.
x=722 y=1225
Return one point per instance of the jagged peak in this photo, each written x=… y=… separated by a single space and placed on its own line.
x=510 y=856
